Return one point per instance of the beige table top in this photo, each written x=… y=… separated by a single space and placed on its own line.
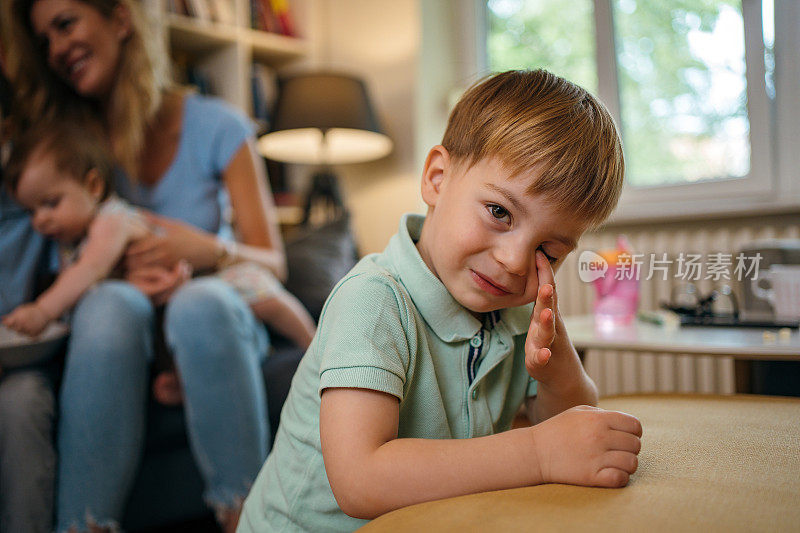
x=708 y=463
x=741 y=343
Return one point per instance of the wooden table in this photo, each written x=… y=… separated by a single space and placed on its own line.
x=708 y=463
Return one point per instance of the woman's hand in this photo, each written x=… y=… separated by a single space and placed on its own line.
x=158 y=283
x=171 y=242
x=254 y=212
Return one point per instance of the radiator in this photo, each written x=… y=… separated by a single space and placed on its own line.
x=620 y=372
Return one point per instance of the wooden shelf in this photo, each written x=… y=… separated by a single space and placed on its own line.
x=198 y=36
x=273 y=48
x=223 y=53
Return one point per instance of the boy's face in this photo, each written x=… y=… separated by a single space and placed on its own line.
x=483 y=229
x=61 y=207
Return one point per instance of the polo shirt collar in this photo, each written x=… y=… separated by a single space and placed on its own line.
x=517 y=319
x=448 y=319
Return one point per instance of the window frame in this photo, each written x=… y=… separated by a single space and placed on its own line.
x=773 y=183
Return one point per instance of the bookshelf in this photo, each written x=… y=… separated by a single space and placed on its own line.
x=220 y=49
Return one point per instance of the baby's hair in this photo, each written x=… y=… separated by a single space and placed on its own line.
x=535 y=120
x=76 y=147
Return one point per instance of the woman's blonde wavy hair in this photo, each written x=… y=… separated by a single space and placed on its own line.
x=135 y=98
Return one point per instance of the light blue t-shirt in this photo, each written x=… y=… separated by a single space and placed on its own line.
x=191 y=189
x=23 y=255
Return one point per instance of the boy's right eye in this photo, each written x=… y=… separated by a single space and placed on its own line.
x=499 y=212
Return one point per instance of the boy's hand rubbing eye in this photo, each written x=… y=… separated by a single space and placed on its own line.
x=542 y=331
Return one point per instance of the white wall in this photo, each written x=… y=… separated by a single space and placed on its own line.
x=378 y=40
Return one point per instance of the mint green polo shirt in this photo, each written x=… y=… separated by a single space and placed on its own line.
x=390 y=325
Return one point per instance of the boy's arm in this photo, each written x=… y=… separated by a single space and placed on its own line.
x=567 y=387
x=550 y=357
x=554 y=397
x=371 y=471
x=106 y=241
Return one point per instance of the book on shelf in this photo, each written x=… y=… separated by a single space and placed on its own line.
x=265 y=91
x=283 y=12
x=260 y=111
x=184 y=72
x=178 y=66
x=273 y=16
x=199 y=80
x=254 y=15
x=178 y=6
x=222 y=11
x=199 y=9
x=263 y=19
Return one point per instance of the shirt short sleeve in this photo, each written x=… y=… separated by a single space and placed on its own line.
x=362 y=339
x=230 y=129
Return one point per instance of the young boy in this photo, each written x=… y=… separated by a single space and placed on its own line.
x=425 y=352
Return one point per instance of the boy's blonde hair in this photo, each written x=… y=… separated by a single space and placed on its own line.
x=535 y=120
x=135 y=97
x=76 y=147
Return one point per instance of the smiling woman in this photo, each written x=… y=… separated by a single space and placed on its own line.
x=83 y=46
x=76 y=52
x=179 y=155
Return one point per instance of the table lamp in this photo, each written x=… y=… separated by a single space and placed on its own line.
x=326 y=119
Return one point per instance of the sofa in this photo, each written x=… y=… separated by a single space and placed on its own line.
x=168 y=488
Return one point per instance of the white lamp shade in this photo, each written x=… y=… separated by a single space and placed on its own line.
x=337 y=146
x=324 y=118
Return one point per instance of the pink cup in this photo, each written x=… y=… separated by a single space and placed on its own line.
x=616 y=300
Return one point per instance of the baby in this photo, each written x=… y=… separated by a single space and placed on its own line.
x=62 y=174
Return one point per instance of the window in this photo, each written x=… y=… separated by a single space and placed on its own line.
x=692 y=85
x=541 y=34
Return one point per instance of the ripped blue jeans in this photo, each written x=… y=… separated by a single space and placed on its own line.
x=218 y=346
